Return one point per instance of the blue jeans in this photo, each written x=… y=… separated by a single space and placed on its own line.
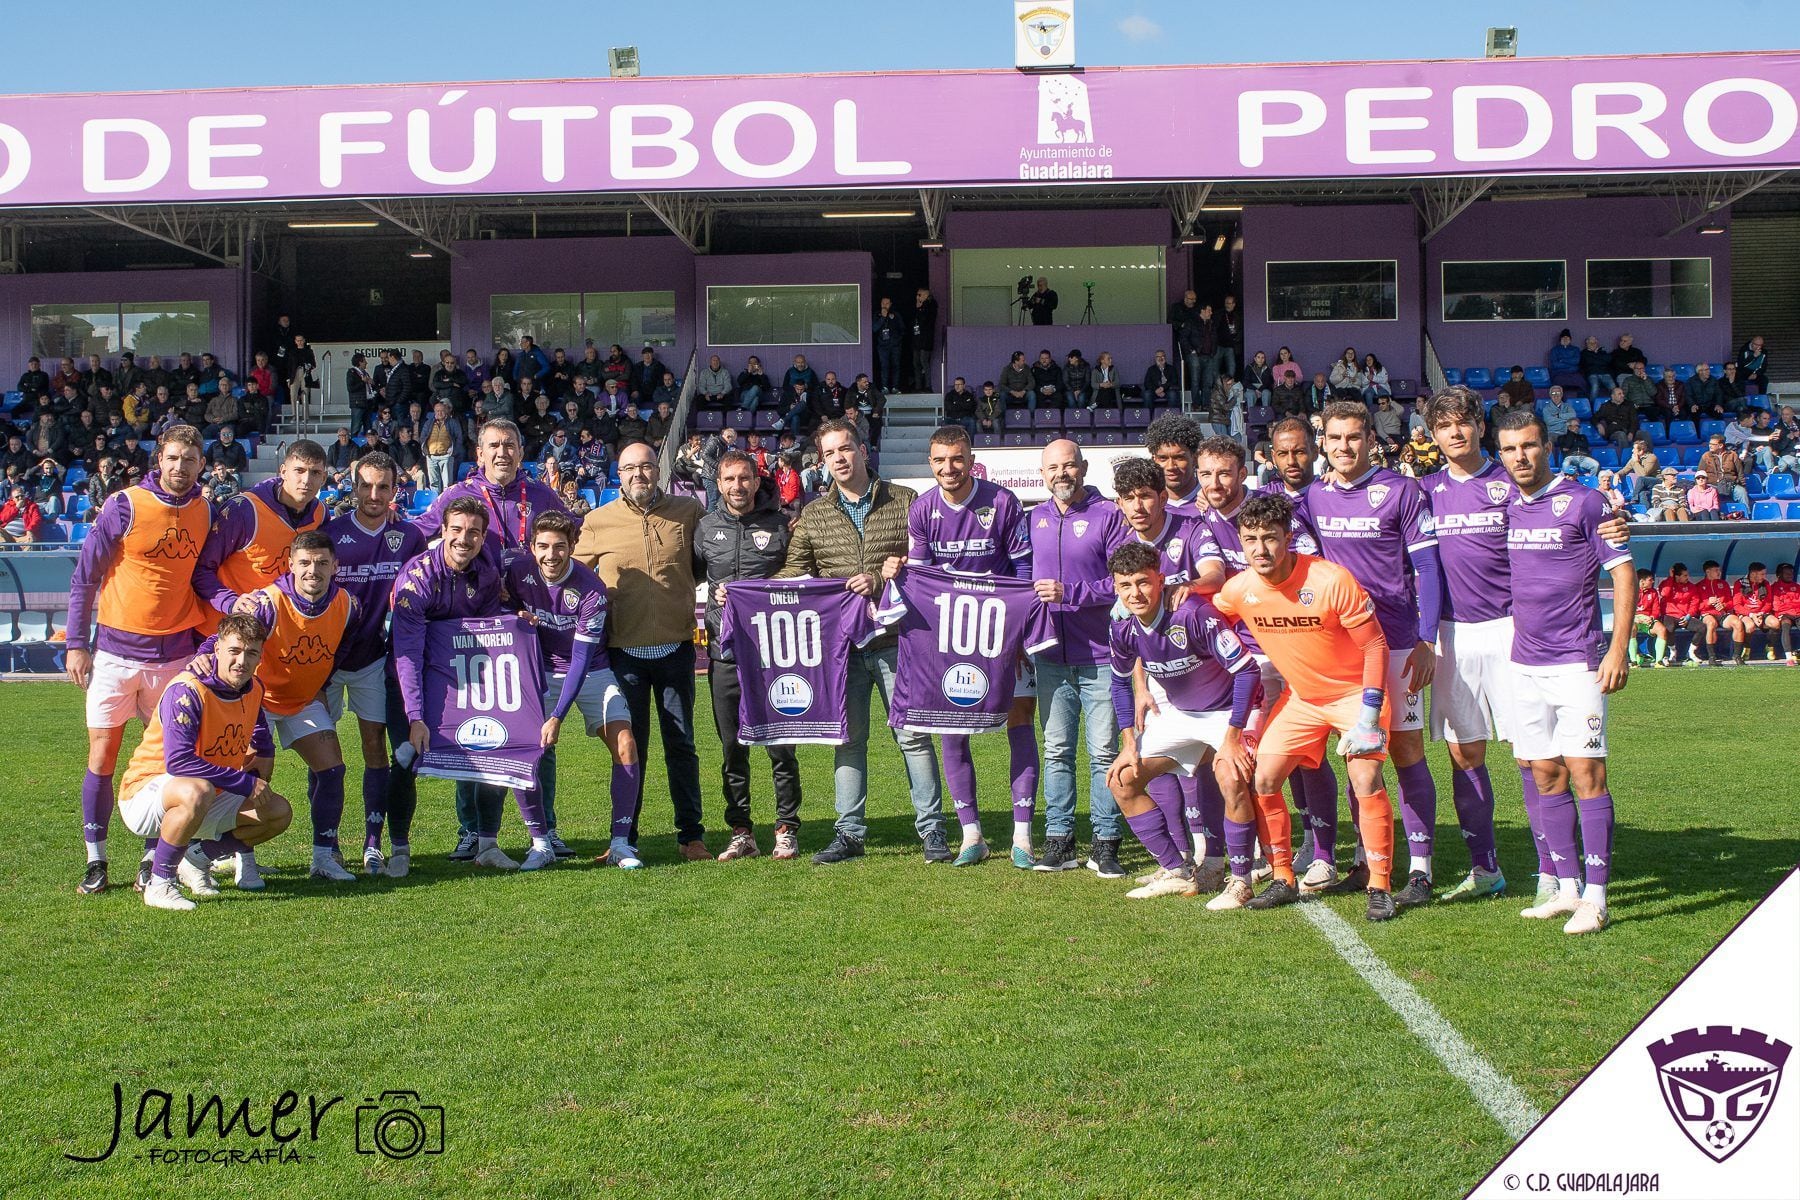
x=749 y=398
x=875 y=669
x=1066 y=695
x=887 y=365
x=1600 y=387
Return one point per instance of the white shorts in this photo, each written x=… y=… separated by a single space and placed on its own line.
x=121 y=689
x=1408 y=708
x=1025 y=680
x=1184 y=737
x=601 y=700
x=1471 y=691
x=1558 y=712
x=367 y=690
x=142 y=810
x=314 y=718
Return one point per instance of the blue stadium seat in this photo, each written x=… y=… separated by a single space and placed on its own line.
x=612 y=475
x=422 y=499
x=1765 y=510
x=1691 y=455
x=1793 y=512
x=464 y=471
x=1478 y=377
x=608 y=495
x=1656 y=433
x=1582 y=408
x=1684 y=371
x=1718 y=370
x=1452 y=376
x=1683 y=431
x=1642 y=510
x=1731 y=508
x=1607 y=455
x=1755 y=486
x=1538 y=377
x=79 y=506
x=1761 y=402
x=75 y=476
x=1589 y=480
x=1502 y=374
x=590 y=497
x=1710 y=426
x=1654 y=371
x=1781 y=487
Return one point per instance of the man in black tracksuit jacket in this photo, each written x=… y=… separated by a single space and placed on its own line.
x=745 y=537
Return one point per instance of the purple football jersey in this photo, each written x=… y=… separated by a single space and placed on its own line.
x=484 y=692
x=1072 y=547
x=789 y=638
x=429 y=590
x=1189 y=656
x=1470 y=518
x=1371 y=528
x=367 y=565
x=960 y=641
x=1554 y=542
x=572 y=609
x=984 y=535
x=1181 y=546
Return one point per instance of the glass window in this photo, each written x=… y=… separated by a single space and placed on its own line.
x=72 y=330
x=810 y=314
x=1362 y=290
x=1637 y=288
x=632 y=319
x=1128 y=284
x=167 y=329
x=1506 y=291
x=552 y=319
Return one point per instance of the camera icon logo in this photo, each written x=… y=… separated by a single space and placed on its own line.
x=398 y=1125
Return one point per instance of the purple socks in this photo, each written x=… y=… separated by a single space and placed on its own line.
x=220 y=847
x=1240 y=846
x=1596 y=836
x=531 y=810
x=1150 y=830
x=1473 y=794
x=1418 y=807
x=164 y=859
x=1534 y=815
x=959 y=778
x=96 y=807
x=627 y=785
x=1021 y=743
x=1319 y=785
x=1211 y=810
x=1165 y=792
x=325 y=797
x=375 y=805
x=1558 y=815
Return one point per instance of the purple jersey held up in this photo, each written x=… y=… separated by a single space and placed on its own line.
x=789 y=638
x=1189 y=656
x=1470 y=518
x=1554 y=542
x=484 y=692
x=427 y=590
x=984 y=535
x=960 y=641
x=1371 y=528
x=368 y=562
x=570 y=610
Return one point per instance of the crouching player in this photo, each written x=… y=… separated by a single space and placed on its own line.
x=1195 y=668
x=1561 y=678
x=202 y=770
x=1317 y=625
x=567 y=603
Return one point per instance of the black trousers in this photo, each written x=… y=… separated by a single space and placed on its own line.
x=735 y=769
x=669 y=681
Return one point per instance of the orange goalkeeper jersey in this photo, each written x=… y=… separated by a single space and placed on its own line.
x=1302 y=625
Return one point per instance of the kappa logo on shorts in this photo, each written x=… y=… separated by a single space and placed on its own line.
x=1593 y=743
x=1718 y=1084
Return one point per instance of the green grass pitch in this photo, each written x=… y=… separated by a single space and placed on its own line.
x=880 y=1028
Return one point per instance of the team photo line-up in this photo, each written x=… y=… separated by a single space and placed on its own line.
x=1204 y=637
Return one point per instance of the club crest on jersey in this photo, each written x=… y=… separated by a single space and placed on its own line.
x=570 y=597
x=1081 y=528
x=1496 y=492
x=985 y=517
x=964 y=685
x=395 y=539
x=1178 y=635
x=1306 y=596
x=790 y=695
x=1173 y=549
x=760 y=538
x=1718 y=1083
x=1377 y=493
x=1560 y=504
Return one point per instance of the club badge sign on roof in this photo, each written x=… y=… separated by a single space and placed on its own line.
x=1044 y=34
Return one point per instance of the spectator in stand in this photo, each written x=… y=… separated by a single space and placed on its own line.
x=1516 y=391
x=407 y=454
x=536 y=426
x=1259 y=381
x=1015 y=381
x=658 y=424
x=1731 y=387
x=341 y=455
x=1647 y=622
x=788 y=489
x=959 y=406
x=1160 y=383
x=1712 y=604
x=358 y=385
x=633 y=430
x=1377 y=377
x=1596 y=368
x=572 y=499
x=870 y=411
x=716 y=447
x=714 y=385
x=594 y=458
x=532 y=363
x=1704 y=392
x=1046 y=383
x=441 y=440
x=22 y=522
x=1625 y=356
x=589 y=366
x=303 y=381
x=580 y=402
x=1347 y=379
x=1752 y=612
x=33 y=381
x=136 y=410
x=1742 y=436
x=753 y=386
x=1617 y=420
x=103 y=483
x=1753 y=364
x=1421 y=452
x=221 y=410
x=611 y=400
x=646 y=374
x=1078 y=380
x=1231 y=337
x=1388 y=423
x=1196 y=338
x=1670 y=398
x=690 y=462
x=795 y=404
x=48 y=438
x=449 y=382
x=1668 y=499
x=1577 y=457
x=1725 y=467
x=616 y=367
x=1703 y=499
x=211 y=378
x=66 y=376
x=1641 y=393
x=44 y=484
x=1565 y=362
x=17 y=459
x=800 y=373
x=1784 y=442
x=1641 y=470
x=1608 y=487
x=990 y=409
x=94 y=374
x=667 y=392
x=559 y=381
x=1557 y=411
x=560 y=450
x=477 y=373
x=825 y=402
x=1286 y=372
x=1784 y=599
x=499 y=404
x=924 y=338
x=1104 y=381
x=889 y=332
x=1317 y=395
x=228 y=452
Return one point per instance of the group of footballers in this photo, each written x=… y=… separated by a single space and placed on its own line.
x=1349 y=595
x=1755 y=606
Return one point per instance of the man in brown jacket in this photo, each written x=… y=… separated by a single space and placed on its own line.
x=848 y=532
x=642 y=545
x=1723 y=466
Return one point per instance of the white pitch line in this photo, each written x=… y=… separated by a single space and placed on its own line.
x=1500 y=1096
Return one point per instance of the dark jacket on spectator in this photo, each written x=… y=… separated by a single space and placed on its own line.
x=1047 y=375
x=1160 y=377
x=1621 y=361
x=959 y=406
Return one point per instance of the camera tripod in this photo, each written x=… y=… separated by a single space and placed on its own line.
x=1087 y=314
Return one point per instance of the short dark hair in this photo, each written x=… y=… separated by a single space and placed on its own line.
x=554 y=522
x=838 y=426
x=1266 y=512
x=381 y=461
x=950 y=435
x=311 y=539
x=1755 y=566
x=1711 y=564
x=305 y=450
x=180 y=435
x=466 y=506
x=1222 y=447
x=1135 y=475
x=1454 y=403
x=242 y=625
x=502 y=425
x=1345 y=410
x=1288 y=424
x=735 y=458
x=1133 y=558
x=1173 y=429
x=1522 y=416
